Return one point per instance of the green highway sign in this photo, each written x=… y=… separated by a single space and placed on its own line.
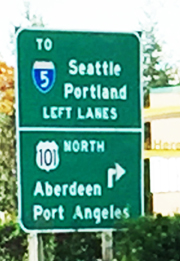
x=79 y=129
x=78 y=79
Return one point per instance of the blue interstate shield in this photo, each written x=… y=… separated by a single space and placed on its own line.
x=43 y=74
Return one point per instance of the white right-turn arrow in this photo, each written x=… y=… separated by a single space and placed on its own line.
x=114 y=175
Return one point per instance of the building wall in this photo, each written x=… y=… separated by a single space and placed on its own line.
x=166 y=203
x=165 y=96
x=164 y=175
x=165 y=136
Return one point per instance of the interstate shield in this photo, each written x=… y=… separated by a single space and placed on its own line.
x=43 y=74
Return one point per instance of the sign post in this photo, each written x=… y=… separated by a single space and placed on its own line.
x=107 y=246
x=79 y=130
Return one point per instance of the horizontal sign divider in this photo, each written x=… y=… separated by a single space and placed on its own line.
x=59 y=129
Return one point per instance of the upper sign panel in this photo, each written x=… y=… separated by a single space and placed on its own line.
x=78 y=79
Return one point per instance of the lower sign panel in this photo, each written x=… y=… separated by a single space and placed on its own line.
x=78 y=180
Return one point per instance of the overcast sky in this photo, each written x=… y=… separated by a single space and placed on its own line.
x=97 y=15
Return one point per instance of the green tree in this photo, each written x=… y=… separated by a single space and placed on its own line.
x=7 y=141
x=154 y=71
x=8 y=188
x=33 y=20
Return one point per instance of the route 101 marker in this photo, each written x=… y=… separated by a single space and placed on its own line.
x=79 y=130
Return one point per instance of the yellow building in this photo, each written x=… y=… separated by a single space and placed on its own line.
x=162 y=148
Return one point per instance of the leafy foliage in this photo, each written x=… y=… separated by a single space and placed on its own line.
x=49 y=246
x=57 y=247
x=8 y=186
x=13 y=243
x=155 y=72
x=77 y=247
x=6 y=89
x=149 y=238
x=146 y=238
x=7 y=141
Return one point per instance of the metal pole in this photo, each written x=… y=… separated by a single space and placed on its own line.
x=107 y=246
x=35 y=247
x=40 y=249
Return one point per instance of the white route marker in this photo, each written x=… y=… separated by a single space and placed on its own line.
x=47 y=155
